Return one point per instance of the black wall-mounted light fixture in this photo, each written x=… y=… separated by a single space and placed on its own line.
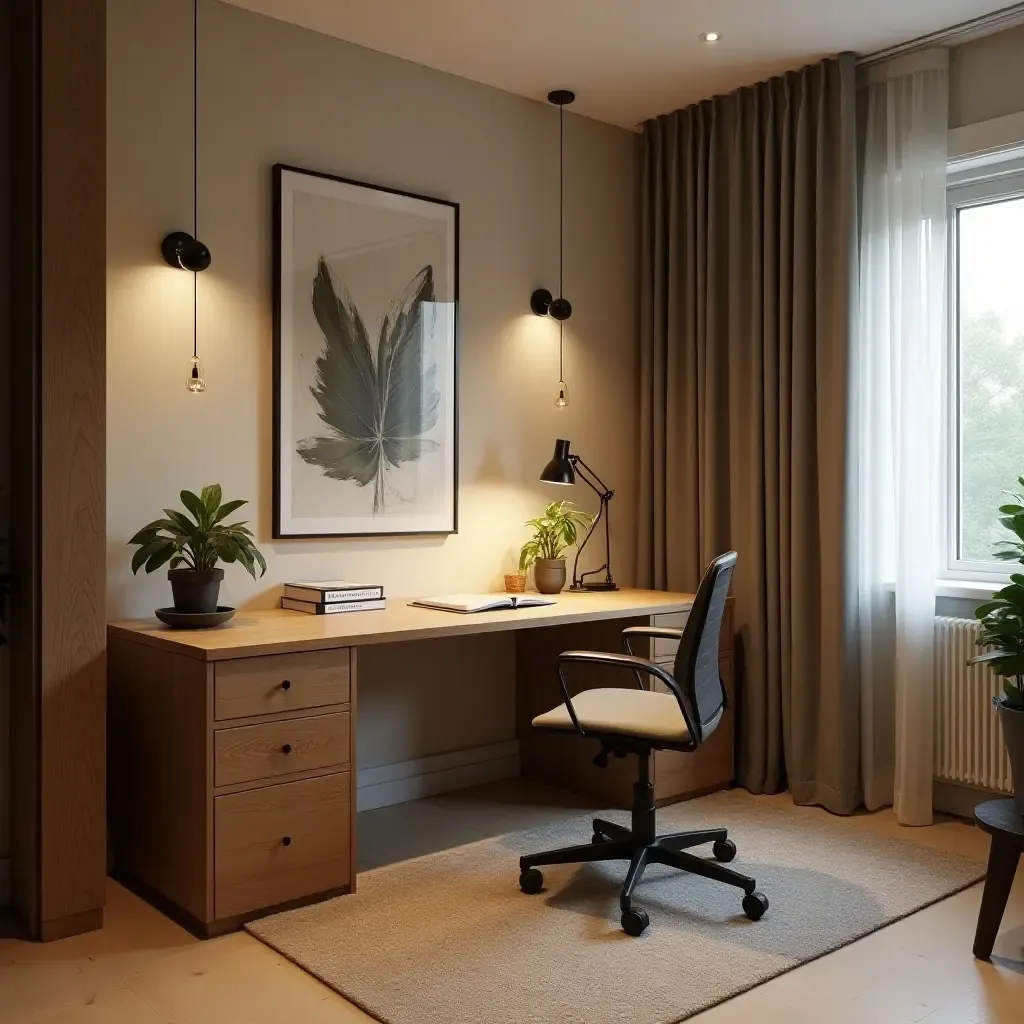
x=541 y=301
x=563 y=469
x=182 y=250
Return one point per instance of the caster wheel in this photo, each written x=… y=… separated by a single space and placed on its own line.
x=635 y=922
x=724 y=850
x=531 y=881
x=754 y=905
x=598 y=838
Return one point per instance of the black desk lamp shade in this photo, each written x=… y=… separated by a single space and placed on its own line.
x=563 y=469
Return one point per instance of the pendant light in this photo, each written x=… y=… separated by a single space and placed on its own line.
x=180 y=249
x=541 y=302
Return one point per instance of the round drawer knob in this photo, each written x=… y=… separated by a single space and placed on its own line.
x=286 y=748
x=287 y=841
x=286 y=685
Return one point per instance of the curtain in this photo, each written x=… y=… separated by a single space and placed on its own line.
x=899 y=351
x=747 y=303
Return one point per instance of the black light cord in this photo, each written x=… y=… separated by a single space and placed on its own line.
x=561 y=195
x=195 y=170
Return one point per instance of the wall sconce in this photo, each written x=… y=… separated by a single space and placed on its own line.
x=183 y=252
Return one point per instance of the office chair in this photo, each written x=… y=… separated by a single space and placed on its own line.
x=637 y=721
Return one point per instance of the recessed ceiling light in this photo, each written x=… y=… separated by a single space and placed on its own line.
x=711 y=37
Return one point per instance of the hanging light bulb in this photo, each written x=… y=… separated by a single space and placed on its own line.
x=563 y=394
x=196 y=380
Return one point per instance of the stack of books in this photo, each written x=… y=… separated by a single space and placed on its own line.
x=330 y=597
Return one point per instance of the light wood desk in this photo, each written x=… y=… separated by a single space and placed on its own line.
x=232 y=750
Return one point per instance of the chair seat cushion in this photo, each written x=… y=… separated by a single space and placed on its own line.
x=640 y=713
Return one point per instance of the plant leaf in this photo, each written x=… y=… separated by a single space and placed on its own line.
x=346 y=390
x=195 y=505
x=211 y=498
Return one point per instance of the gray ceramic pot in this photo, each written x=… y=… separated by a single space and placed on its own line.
x=549 y=575
x=1013 y=736
x=194 y=591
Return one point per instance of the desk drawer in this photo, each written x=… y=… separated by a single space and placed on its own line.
x=251 y=752
x=281 y=843
x=281 y=682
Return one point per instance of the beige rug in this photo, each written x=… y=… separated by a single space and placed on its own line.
x=449 y=939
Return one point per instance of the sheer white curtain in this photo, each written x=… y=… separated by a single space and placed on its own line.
x=898 y=358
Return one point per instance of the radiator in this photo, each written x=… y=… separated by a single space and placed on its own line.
x=968 y=742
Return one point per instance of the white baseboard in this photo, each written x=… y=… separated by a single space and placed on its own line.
x=441 y=773
x=960 y=800
x=5 y=881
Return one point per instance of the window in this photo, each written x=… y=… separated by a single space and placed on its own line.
x=985 y=410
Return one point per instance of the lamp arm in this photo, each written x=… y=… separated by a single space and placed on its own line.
x=576 y=578
x=596 y=484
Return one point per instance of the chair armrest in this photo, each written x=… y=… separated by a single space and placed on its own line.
x=649 y=633
x=627 y=661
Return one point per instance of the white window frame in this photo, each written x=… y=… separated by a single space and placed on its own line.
x=971 y=182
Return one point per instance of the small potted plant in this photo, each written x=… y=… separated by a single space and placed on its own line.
x=554 y=531
x=1002 y=630
x=198 y=541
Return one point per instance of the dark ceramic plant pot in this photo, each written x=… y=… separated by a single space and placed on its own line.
x=549 y=575
x=195 y=592
x=1012 y=722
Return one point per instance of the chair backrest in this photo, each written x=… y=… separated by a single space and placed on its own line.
x=696 y=667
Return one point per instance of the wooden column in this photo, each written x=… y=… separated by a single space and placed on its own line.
x=58 y=391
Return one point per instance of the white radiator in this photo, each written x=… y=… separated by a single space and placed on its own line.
x=968 y=742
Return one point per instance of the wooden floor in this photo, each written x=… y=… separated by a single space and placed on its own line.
x=142 y=969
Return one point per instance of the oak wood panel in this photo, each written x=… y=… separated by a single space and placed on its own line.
x=255 y=867
x=161 y=775
x=278 y=631
x=281 y=682
x=352 y=808
x=72 y=485
x=253 y=752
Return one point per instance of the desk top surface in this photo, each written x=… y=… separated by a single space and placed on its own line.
x=279 y=632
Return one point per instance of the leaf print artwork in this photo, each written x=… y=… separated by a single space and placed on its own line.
x=377 y=405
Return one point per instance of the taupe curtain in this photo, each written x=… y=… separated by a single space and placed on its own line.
x=748 y=264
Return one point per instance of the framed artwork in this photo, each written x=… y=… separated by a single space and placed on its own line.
x=365 y=359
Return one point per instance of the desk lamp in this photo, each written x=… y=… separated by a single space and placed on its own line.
x=562 y=469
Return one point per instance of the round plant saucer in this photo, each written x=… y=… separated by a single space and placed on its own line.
x=194 y=620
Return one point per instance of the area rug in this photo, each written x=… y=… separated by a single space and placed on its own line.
x=449 y=939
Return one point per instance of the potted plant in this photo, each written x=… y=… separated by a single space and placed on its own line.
x=197 y=541
x=554 y=531
x=1002 y=630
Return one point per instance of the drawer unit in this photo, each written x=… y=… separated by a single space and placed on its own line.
x=250 y=752
x=281 y=682
x=281 y=843
x=231 y=794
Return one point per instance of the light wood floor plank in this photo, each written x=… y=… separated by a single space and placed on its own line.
x=143 y=969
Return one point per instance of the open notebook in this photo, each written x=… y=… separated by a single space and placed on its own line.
x=465 y=604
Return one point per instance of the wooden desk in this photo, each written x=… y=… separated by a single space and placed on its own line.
x=232 y=750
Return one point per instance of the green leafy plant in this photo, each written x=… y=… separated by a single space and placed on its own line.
x=554 y=531
x=1002 y=618
x=199 y=542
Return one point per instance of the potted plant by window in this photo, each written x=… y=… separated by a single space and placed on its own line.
x=554 y=531
x=197 y=541
x=1002 y=630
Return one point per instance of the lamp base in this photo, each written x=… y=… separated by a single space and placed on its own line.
x=583 y=588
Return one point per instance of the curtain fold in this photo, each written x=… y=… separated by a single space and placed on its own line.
x=899 y=351
x=747 y=302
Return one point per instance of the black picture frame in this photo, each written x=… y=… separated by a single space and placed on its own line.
x=283 y=522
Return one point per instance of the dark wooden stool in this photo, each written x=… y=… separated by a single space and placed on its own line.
x=1004 y=823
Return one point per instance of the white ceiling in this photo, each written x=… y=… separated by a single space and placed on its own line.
x=627 y=60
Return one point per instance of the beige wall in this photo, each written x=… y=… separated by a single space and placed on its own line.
x=273 y=92
x=987 y=78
